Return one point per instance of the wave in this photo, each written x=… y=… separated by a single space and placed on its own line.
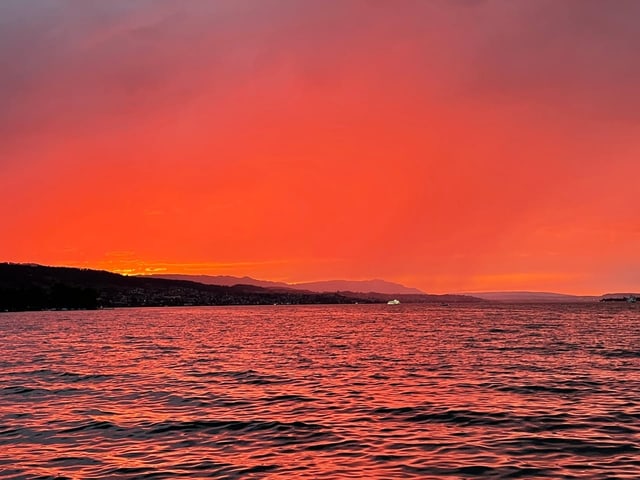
x=470 y=392
x=213 y=427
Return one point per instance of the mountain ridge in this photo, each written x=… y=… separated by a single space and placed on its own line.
x=355 y=286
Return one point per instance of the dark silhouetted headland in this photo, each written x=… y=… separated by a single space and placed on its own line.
x=35 y=287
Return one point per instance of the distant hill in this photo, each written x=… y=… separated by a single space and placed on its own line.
x=372 y=291
x=357 y=286
x=224 y=280
x=620 y=295
x=609 y=297
x=532 y=297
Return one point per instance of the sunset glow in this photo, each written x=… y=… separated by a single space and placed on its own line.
x=453 y=146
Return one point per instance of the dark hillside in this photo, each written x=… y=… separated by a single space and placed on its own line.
x=36 y=287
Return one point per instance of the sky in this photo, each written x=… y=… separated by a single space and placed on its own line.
x=449 y=145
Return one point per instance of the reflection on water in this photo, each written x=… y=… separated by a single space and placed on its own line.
x=357 y=391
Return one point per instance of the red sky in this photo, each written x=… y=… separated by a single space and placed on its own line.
x=459 y=145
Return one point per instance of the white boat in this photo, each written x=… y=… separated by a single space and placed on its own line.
x=393 y=302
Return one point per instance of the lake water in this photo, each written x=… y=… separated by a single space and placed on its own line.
x=322 y=392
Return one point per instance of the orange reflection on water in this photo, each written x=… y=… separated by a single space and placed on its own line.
x=321 y=392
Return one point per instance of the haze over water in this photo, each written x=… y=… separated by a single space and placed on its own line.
x=322 y=392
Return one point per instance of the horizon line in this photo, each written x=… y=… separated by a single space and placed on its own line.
x=468 y=293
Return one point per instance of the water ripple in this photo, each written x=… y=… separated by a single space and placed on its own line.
x=322 y=392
